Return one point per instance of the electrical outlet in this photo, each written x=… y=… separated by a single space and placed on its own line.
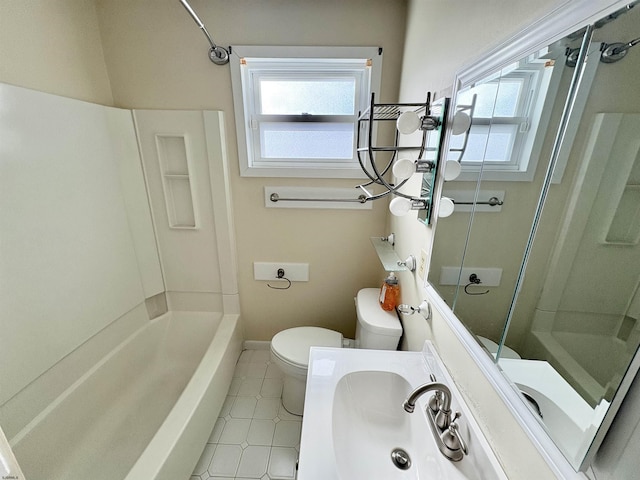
x=422 y=264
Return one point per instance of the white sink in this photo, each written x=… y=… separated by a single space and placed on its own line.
x=354 y=420
x=368 y=421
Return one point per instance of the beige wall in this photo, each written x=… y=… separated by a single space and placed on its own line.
x=479 y=26
x=53 y=46
x=157 y=58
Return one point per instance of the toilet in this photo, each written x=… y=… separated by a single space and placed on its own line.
x=492 y=346
x=376 y=329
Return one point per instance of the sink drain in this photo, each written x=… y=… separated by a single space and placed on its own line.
x=400 y=458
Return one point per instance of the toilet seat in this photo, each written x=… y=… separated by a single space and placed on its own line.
x=292 y=345
x=492 y=346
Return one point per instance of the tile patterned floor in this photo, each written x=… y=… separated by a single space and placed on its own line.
x=254 y=438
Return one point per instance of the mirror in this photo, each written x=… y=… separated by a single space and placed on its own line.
x=434 y=141
x=548 y=279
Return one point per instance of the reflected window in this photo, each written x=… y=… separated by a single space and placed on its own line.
x=508 y=113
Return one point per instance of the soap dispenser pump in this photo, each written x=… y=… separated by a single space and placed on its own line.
x=390 y=293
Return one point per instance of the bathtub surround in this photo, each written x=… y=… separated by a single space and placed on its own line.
x=82 y=275
x=65 y=229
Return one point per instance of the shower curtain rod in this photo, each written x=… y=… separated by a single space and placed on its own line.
x=217 y=54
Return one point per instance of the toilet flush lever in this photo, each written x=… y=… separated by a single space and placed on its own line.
x=424 y=309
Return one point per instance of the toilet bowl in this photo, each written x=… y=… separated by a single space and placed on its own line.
x=492 y=346
x=376 y=329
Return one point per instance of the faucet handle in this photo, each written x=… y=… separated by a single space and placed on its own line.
x=452 y=438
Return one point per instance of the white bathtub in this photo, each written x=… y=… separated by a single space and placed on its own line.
x=145 y=411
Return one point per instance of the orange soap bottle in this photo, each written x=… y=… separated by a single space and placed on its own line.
x=390 y=293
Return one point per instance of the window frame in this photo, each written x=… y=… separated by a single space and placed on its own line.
x=542 y=86
x=250 y=63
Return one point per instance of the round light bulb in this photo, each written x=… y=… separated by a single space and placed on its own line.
x=452 y=170
x=446 y=207
x=408 y=122
x=461 y=123
x=399 y=206
x=404 y=168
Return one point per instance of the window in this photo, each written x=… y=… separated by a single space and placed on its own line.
x=297 y=108
x=509 y=113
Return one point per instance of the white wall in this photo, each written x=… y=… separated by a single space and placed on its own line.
x=432 y=58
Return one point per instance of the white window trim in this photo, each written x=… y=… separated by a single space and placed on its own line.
x=532 y=144
x=247 y=169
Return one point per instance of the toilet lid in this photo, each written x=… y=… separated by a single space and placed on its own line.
x=293 y=344
x=493 y=349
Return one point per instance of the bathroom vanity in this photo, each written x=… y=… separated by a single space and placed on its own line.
x=355 y=425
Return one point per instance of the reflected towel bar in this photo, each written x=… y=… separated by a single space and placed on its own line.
x=274 y=197
x=492 y=202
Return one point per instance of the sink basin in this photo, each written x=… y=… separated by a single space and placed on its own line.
x=369 y=422
x=354 y=420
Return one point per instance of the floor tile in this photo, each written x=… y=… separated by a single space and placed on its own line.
x=235 y=431
x=243 y=407
x=284 y=415
x=241 y=370
x=273 y=371
x=271 y=387
x=217 y=431
x=254 y=438
x=254 y=461
x=250 y=386
x=226 y=406
x=261 y=356
x=267 y=408
x=287 y=434
x=256 y=370
x=235 y=386
x=246 y=356
x=225 y=461
x=205 y=459
x=282 y=463
x=261 y=432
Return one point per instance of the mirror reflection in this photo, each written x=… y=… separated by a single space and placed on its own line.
x=570 y=335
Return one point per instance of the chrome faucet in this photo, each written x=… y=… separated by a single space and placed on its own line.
x=443 y=426
x=440 y=403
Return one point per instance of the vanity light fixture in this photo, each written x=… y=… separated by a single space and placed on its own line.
x=452 y=169
x=405 y=167
x=408 y=118
x=400 y=206
x=447 y=207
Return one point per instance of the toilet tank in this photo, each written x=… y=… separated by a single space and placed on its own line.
x=376 y=329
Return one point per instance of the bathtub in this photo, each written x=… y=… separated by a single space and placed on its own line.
x=145 y=411
x=592 y=364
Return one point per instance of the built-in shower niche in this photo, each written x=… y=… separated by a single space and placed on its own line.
x=176 y=181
